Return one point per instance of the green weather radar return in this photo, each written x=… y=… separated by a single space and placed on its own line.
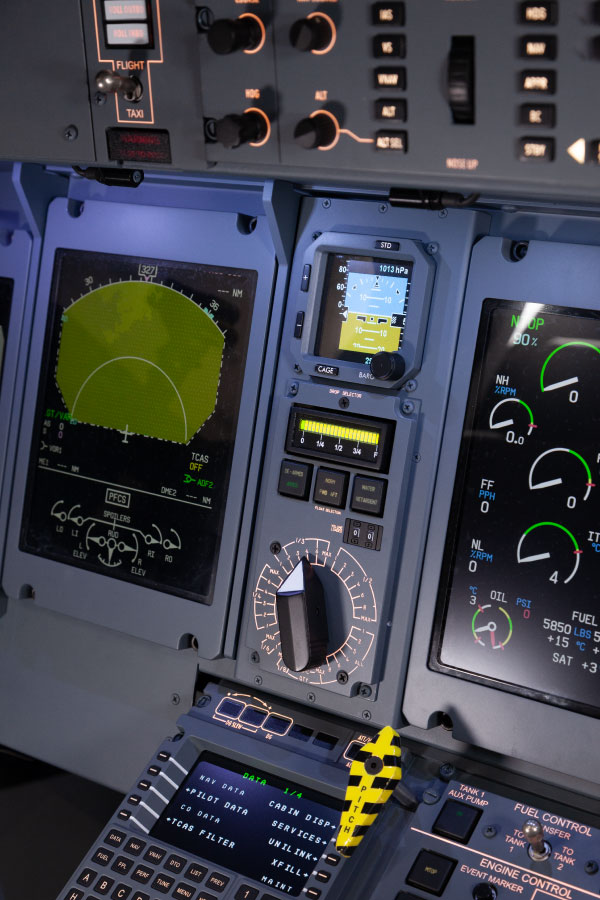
x=140 y=358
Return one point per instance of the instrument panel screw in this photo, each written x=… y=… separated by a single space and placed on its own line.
x=383 y=207
x=410 y=386
x=443 y=213
x=311 y=697
x=258 y=679
x=365 y=690
x=344 y=402
x=254 y=657
x=408 y=407
x=99 y=98
x=342 y=677
x=71 y=133
x=316 y=234
x=446 y=771
x=275 y=547
x=490 y=831
x=175 y=699
x=326 y=203
x=294 y=388
x=591 y=867
x=430 y=796
x=432 y=248
x=366 y=714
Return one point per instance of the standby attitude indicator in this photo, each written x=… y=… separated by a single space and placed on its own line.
x=364 y=307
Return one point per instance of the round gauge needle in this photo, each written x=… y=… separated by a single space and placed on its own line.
x=561 y=384
x=491 y=626
x=503 y=424
x=546 y=484
x=534 y=558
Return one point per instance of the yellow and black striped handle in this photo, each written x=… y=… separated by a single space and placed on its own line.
x=374 y=774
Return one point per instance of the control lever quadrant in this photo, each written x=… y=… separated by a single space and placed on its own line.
x=302 y=616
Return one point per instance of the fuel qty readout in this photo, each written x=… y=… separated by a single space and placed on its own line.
x=364 y=442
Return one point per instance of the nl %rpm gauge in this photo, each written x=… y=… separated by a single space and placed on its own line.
x=349 y=600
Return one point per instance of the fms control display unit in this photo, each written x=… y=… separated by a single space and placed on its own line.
x=299 y=450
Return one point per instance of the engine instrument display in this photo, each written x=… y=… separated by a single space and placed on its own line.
x=363 y=307
x=132 y=445
x=222 y=800
x=518 y=601
x=6 y=289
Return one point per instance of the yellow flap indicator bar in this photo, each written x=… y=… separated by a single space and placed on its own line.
x=374 y=774
x=342 y=432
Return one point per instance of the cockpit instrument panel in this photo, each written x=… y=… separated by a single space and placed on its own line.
x=136 y=418
x=518 y=597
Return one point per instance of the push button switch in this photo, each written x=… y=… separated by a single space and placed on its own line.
x=542 y=47
x=539 y=13
x=392 y=110
x=331 y=487
x=368 y=495
x=431 y=872
x=385 y=45
x=543 y=114
x=388 y=14
x=456 y=821
x=536 y=149
x=391 y=77
x=295 y=479
x=541 y=81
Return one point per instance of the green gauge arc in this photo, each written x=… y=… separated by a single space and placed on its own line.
x=555 y=525
x=562 y=347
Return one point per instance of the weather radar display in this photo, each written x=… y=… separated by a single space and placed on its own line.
x=133 y=443
x=364 y=307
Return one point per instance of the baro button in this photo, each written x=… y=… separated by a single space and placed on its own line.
x=387 y=366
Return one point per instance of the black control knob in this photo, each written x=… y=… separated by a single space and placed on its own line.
x=302 y=618
x=484 y=891
x=109 y=82
x=387 y=366
x=228 y=35
x=312 y=33
x=315 y=131
x=461 y=80
x=249 y=127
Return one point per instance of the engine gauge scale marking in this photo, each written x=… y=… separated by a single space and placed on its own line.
x=347 y=587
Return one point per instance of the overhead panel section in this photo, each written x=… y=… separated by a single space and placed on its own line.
x=236 y=56
x=44 y=104
x=140 y=407
x=145 y=101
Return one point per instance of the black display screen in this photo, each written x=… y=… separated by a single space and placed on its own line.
x=136 y=419
x=518 y=605
x=6 y=290
x=261 y=826
x=363 y=307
